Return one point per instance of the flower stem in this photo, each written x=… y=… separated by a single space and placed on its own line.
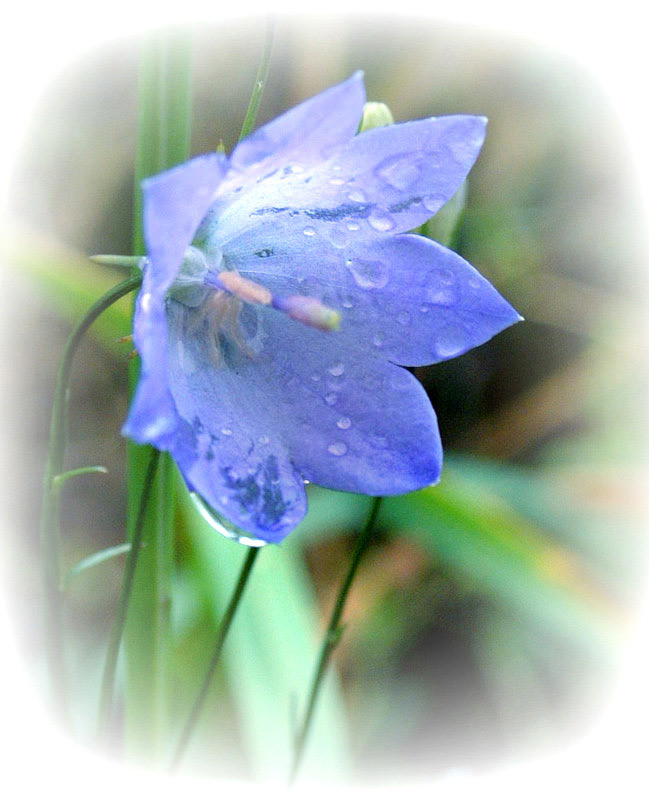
x=50 y=529
x=260 y=80
x=332 y=635
x=110 y=667
x=224 y=627
x=163 y=140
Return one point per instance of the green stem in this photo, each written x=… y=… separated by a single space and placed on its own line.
x=224 y=627
x=333 y=634
x=163 y=140
x=50 y=530
x=260 y=80
x=110 y=667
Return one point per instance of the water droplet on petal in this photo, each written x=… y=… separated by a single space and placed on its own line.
x=336 y=181
x=450 y=341
x=338 y=235
x=337 y=448
x=357 y=196
x=226 y=431
x=379 y=339
x=403 y=318
x=380 y=442
x=337 y=369
x=263 y=440
x=347 y=302
x=344 y=423
x=309 y=231
x=381 y=221
x=331 y=398
x=400 y=171
x=353 y=226
x=315 y=376
x=368 y=274
x=432 y=202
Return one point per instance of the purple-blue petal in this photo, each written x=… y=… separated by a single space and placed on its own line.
x=174 y=203
x=382 y=182
x=309 y=132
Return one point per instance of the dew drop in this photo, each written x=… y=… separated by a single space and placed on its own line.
x=336 y=181
x=381 y=221
x=379 y=339
x=432 y=202
x=368 y=274
x=309 y=231
x=337 y=448
x=347 y=302
x=450 y=341
x=338 y=235
x=315 y=376
x=441 y=297
x=226 y=431
x=403 y=318
x=344 y=423
x=424 y=309
x=263 y=440
x=331 y=398
x=380 y=442
x=337 y=369
x=336 y=167
x=399 y=171
x=357 y=196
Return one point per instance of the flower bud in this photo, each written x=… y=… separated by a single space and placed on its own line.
x=375 y=115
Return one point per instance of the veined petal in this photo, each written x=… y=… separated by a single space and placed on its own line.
x=307 y=133
x=385 y=181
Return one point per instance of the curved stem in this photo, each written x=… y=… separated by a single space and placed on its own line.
x=224 y=627
x=110 y=667
x=50 y=529
x=332 y=635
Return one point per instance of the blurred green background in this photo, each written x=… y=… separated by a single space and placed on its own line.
x=489 y=617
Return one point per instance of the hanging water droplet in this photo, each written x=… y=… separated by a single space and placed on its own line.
x=381 y=221
x=450 y=341
x=309 y=231
x=399 y=171
x=219 y=524
x=344 y=423
x=337 y=448
x=337 y=369
x=368 y=274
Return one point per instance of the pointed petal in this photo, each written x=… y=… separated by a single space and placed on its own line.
x=383 y=181
x=174 y=203
x=307 y=133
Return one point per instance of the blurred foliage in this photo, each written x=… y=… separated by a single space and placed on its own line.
x=490 y=615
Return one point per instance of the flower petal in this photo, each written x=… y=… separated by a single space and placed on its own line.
x=174 y=203
x=383 y=181
x=308 y=132
x=405 y=298
x=224 y=445
x=351 y=422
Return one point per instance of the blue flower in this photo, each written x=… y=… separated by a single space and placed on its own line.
x=306 y=222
